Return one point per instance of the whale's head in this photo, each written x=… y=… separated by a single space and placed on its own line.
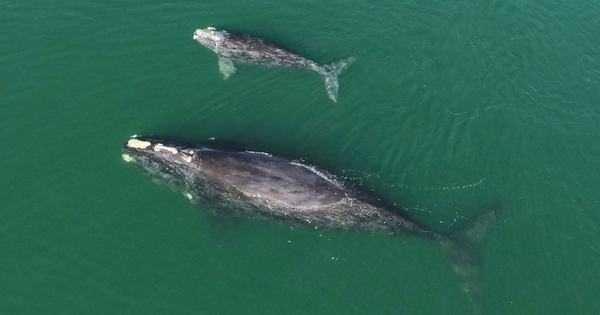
x=165 y=161
x=165 y=151
x=209 y=37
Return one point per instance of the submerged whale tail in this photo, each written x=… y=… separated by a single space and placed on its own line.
x=330 y=73
x=462 y=248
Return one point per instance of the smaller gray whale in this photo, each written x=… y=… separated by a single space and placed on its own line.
x=231 y=46
x=261 y=186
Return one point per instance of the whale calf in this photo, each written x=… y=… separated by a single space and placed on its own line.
x=262 y=186
x=231 y=46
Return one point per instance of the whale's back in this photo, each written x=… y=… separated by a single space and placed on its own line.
x=271 y=178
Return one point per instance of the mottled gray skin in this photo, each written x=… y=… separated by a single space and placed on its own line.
x=262 y=186
x=250 y=49
x=230 y=47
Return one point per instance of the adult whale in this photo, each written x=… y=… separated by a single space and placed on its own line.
x=259 y=185
x=231 y=46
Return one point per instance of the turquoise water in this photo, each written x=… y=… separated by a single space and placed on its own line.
x=449 y=107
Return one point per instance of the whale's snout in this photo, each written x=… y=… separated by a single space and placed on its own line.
x=138 y=148
x=197 y=34
x=208 y=37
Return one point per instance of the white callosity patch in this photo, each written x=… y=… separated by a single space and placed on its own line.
x=209 y=37
x=137 y=144
x=186 y=158
x=160 y=147
x=186 y=155
x=126 y=157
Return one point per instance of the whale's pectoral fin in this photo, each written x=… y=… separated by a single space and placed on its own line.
x=226 y=67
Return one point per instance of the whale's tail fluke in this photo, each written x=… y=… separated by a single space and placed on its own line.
x=462 y=248
x=330 y=73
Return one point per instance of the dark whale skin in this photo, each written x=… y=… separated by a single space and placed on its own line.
x=260 y=185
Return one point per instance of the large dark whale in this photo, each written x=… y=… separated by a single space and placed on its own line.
x=230 y=47
x=259 y=185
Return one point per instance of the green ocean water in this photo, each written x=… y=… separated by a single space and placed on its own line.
x=450 y=107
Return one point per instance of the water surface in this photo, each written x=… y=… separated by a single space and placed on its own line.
x=448 y=108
